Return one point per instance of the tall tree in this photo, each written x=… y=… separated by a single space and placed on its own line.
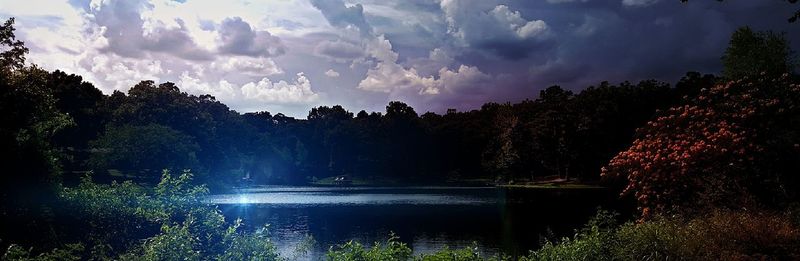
x=154 y=147
x=751 y=53
x=13 y=56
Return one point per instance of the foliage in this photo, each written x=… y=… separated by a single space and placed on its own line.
x=70 y=252
x=30 y=163
x=391 y=250
x=13 y=57
x=588 y=243
x=752 y=53
x=716 y=150
x=248 y=246
x=720 y=235
x=169 y=222
x=464 y=254
x=151 y=147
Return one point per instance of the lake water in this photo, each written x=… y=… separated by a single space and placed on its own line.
x=427 y=218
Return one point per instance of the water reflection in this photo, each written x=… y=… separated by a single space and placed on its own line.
x=358 y=196
x=427 y=218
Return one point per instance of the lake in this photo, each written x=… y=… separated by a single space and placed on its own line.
x=427 y=218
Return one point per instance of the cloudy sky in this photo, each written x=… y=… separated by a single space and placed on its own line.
x=288 y=56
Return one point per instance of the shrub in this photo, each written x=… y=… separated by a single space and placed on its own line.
x=70 y=252
x=719 y=235
x=392 y=249
x=463 y=254
x=168 y=222
x=589 y=243
x=733 y=145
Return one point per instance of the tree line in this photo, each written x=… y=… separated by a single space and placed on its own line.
x=156 y=126
x=559 y=134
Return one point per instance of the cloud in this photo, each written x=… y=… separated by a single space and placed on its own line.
x=263 y=91
x=339 y=51
x=247 y=65
x=112 y=72
x=638 y=3
x=222 y=91
x=522 y=28
x=389 y=77
x=130 y=35
x=431 y=54
x=466 y=79
x=565 y=1
x=340 y=15
x=237 y=37
x=281 y=92
x=331 y=73
x=496 y=29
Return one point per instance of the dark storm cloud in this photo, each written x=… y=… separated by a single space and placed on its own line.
x=495 y=28
x=340 y=15
x=339 y=50
x=239 y=38
x=594 y=41
x=126 y=36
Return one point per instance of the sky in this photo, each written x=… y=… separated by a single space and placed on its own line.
x=287 y=56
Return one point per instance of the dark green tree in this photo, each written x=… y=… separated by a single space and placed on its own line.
x=153 y=147
x=751 y=53
x=13 y=52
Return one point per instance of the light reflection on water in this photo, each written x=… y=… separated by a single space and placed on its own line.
x=328 y=198
x=427 y=218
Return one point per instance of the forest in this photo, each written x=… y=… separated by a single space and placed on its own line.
x=156 y=126
x=703 y=148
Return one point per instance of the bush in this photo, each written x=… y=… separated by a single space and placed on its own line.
x=70 y=252
x=168 y=222
x=720 y=235
x=589 y=243
x=734 y=145
x=392 y=249
x=464 y=254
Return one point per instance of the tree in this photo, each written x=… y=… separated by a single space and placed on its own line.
x=501 y=156
x=553 y=130
x=13 y=55
x=154 y=147
x=752 y=53
x=30 y=163
x=733 y=145
x=83 y=103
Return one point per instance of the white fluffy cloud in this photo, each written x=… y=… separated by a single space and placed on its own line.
x=247 y=65
x=281 y=92
x=388 y=76
x=475 y=26
x=263 y=91
x=331 y=73
x=222 y=90
x=523 y=29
